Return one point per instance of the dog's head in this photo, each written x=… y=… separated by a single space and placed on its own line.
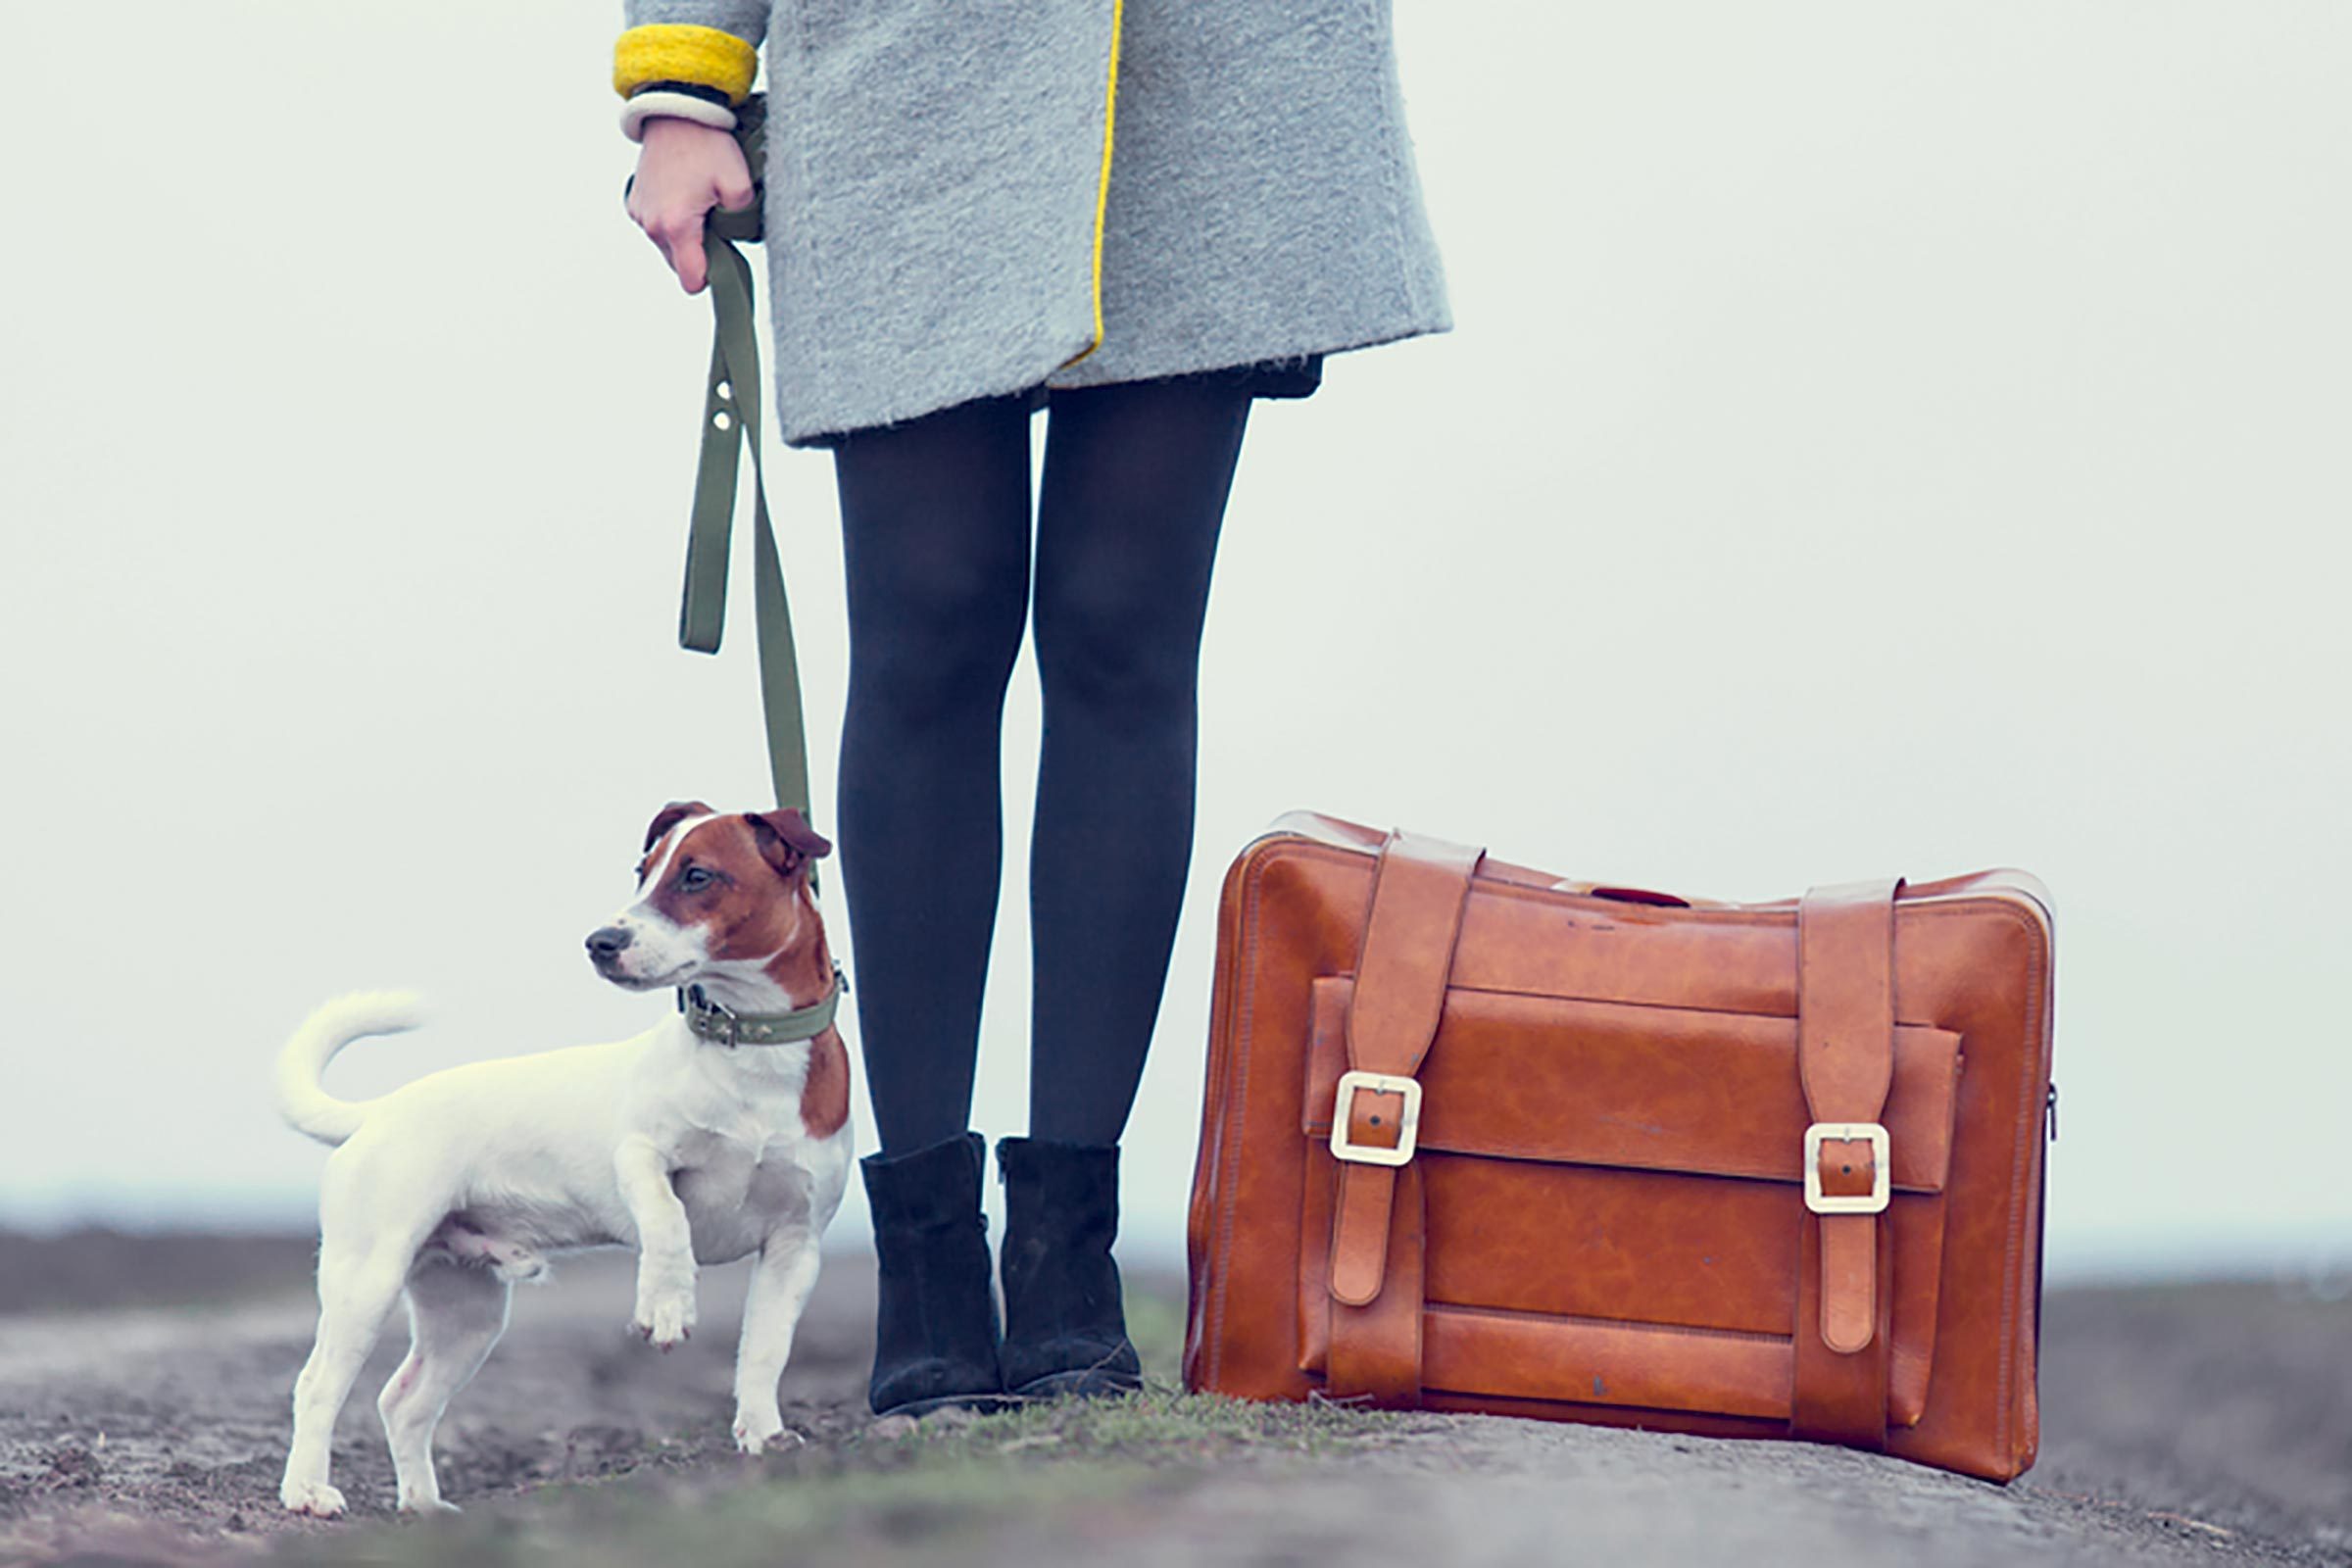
x=717 y=896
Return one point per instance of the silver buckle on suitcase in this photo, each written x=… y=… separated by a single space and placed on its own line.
x=1408 y=1120
x=1882 y=1184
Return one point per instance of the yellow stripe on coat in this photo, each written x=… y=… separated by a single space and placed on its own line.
x=677 y=51
x=1111 y=122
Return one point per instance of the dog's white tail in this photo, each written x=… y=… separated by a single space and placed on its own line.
x=310 y=1107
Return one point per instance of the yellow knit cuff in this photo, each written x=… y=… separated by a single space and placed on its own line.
x=677 y=51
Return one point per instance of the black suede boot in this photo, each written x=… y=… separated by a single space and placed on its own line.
x=1065 y=1325
x=935 y=1332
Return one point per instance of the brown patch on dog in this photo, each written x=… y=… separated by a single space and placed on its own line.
x=718 y=879
x=723 y=875
x=825 y=1097
x=787 y=841
x=668 y=817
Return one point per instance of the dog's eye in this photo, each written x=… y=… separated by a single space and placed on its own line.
x=694 y=879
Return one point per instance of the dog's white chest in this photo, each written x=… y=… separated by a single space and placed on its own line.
x=720 y=1172
x=739 y=1185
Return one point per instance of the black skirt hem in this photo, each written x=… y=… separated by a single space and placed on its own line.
x=1296 y=377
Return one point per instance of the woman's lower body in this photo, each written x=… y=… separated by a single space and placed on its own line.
x=943 y=582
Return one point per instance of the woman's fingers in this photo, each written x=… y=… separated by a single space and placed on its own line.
x=677 y=234
x=683 y=245
x=683 y=171
x=735 y=191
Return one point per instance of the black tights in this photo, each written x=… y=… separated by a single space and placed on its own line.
x=936 y=548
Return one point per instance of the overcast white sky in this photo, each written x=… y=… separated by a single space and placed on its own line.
x=1877 y=438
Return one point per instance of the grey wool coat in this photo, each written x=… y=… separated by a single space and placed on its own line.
x=939 y=227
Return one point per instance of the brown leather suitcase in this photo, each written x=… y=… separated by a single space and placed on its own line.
x=1608 y=1155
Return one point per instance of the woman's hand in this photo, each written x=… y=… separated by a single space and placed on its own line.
x=683 y=171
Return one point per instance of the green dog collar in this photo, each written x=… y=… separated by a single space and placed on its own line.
x=726 y=1027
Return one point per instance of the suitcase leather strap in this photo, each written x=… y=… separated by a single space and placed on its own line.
x=1846 y=1058
x=1418 y=892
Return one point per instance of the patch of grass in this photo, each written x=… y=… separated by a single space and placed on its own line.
x=921 y=1489
x=1155 y=1327
x=1162 y=1425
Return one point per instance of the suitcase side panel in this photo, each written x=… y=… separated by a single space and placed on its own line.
x=1982 y=965
x=1291 y=909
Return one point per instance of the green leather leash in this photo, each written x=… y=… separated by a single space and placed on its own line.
x=730 y=413
x=731 y=397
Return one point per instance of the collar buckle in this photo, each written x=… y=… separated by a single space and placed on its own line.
x=712 y=1021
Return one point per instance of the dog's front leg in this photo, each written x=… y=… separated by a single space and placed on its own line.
x=664 y=1244
x=780 y=1284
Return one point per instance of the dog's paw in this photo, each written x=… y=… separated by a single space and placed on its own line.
x=313 y=1497
x=664 y=1321
x=764 y=1433
x=426 y=1508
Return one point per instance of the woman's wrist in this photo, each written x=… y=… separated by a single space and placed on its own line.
x=675 y=100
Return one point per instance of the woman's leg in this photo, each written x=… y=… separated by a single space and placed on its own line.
x=1128 y=517
x=1136 y=479
x=935 y=548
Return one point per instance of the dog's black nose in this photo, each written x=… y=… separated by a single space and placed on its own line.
x=605 y=942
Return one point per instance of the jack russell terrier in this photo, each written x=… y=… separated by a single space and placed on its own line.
x=719 y=1133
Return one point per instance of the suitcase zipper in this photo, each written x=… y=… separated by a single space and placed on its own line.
x=2050 y=1111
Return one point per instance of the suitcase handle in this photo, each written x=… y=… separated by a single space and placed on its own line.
x=1666 y=900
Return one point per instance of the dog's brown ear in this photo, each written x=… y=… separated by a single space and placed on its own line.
x=786 y=840
x=670 y=816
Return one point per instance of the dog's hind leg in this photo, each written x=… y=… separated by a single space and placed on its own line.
x=456 y=1315
x=356 y=1293
x=780 y=1284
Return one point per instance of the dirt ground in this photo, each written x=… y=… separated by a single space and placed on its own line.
x=143 y=1418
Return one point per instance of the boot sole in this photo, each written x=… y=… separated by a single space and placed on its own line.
x=1088 y=1383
